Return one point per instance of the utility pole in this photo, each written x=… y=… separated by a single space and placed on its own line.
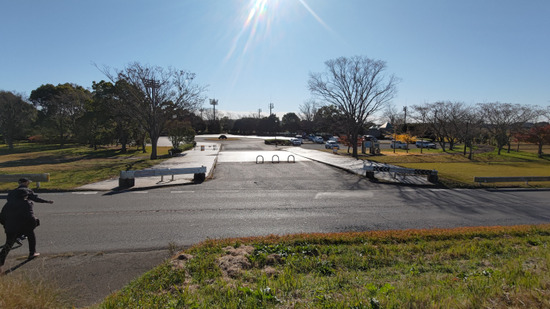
x=214 y=102
x=405 y=118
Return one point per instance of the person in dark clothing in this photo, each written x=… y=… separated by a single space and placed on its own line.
x=18 y=218
x=24 y=184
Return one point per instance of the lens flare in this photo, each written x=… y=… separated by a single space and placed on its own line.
x=265 y=21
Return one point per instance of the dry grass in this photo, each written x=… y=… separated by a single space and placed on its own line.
x=21 y=292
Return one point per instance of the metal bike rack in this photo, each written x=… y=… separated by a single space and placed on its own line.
x=293 y=159
x=260 y=156
x=273 y=159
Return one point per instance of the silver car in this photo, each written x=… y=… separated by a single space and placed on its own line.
x=332 y=145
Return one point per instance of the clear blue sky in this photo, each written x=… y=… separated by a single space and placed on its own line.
x=470 y=50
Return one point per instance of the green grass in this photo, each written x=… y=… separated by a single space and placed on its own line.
x=481 y=267
x=454 y=169
x=73 y=165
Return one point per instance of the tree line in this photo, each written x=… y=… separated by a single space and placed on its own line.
x=499 y=124
x=139 y=103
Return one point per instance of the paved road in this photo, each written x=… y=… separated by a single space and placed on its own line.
x=247 y=199
x=127 y=233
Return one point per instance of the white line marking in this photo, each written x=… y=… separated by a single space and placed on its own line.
x=344 y=194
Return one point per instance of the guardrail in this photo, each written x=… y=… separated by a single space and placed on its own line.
x=127 y=178
x=371 y=169
x=38 y=178
x=525 y=179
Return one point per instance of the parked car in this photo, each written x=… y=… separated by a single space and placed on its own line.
x=296 y=142
x=425 y=144
x=331 y=144
x=318 y=139
x=399 y=145
x=334 y=138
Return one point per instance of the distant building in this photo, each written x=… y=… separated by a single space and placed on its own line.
x=379 y=131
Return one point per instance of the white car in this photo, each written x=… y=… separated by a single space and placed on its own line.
x=318 y=139
x=295 y=142
x=425 y=144
x=399 y=145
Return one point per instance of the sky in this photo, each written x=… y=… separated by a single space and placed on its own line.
x=250 y=53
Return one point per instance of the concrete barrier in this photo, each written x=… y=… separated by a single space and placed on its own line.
x=525 y=179
x=370 y=169
x=38 y=178
x=127 y=178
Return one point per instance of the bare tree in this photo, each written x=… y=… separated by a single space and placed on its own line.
x=469 y=127
x=154 y=94
x=357 y=86
x=443 y=119
x=502 y=120
x=308 y=110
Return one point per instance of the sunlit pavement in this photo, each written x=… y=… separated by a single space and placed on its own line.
x=208 y=154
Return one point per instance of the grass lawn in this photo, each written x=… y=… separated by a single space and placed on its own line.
x=483 y=267
x=454 y=169
x=73 y=165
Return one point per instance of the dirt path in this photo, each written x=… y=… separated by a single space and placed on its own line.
x=87 y=277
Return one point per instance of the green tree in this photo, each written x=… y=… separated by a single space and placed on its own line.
x=16 y=117
x=179 y=132
x=290 y=122
x=60 y=107
x=329 y=119
x=246 y=126
x=269 y=125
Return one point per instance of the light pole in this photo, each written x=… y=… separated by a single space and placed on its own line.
x=153 y=84
x=214 y=102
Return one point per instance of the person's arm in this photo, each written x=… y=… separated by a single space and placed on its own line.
x=33 y=197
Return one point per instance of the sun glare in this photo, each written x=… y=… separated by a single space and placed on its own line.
x=261 y=17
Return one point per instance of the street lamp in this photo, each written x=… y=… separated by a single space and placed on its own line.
x=153 y=84
x=214 y=102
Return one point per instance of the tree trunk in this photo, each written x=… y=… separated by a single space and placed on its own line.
x=540 y=149
x=123 y=144
x=9 y=141
x=354 y=144
x=154 y=142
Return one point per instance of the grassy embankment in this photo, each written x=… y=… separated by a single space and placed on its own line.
x=72 y=166
x=483 y=267
x=456 y=170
